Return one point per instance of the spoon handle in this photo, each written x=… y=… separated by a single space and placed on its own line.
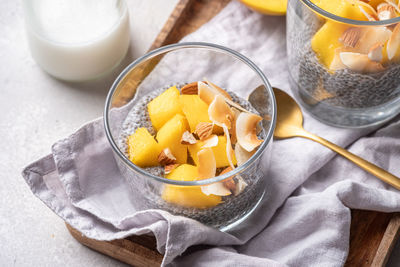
x=366 y=165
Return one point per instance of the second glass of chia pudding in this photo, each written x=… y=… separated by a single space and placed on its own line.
x=343 y=58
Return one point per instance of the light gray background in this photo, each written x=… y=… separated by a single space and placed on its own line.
x=33 y=117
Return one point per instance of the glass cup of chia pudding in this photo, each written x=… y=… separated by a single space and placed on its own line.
x=343 y=58
x=185 y=137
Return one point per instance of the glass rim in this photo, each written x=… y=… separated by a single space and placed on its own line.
x=354 y=22
x=174 y=47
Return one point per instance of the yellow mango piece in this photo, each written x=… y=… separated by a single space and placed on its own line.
x=187 y=196
x=170 y=136
x=326 y=41
x=195 y=110
x=344 y=8
x=385 y=59
x=268 y=7
x=164 y=107
x=143 y=150
x=219 y=152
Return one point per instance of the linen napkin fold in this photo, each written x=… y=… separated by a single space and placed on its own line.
x=305 y=220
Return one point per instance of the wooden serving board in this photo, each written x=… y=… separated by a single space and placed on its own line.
x=372 y=234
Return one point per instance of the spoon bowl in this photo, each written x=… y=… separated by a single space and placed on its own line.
x=290 y=118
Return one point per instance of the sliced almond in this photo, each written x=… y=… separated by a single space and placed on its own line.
x=206 y=163
x=376 y=52
x=220 y=113
x=211 y=141
x=166 y=157
x=393 y=43
x=351 y=36
x=386 y=11
x=204 y=130
x=169 y=168
x=246 y=131
x=360 y=62
x=189 y=89
x=188 y=139
x=242 y=155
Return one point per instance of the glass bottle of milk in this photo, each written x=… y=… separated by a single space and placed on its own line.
x=77 y=40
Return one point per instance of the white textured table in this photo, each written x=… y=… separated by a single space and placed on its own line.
x=32 y=118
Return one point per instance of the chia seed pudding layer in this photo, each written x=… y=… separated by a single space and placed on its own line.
x=149 y=195
x=343 y=88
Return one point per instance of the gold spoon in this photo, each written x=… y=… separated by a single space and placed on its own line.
x=289 y=124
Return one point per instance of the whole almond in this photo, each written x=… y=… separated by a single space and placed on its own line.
x=166 y=157
x=204 y=130
x=189 y=89
x=350 y=36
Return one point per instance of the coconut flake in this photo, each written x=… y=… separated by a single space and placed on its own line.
x=240 y=185
x=220 y=113
x=360 y=62
x=211 y=141
x=229 y=150
x=393 y=43
x=232 y=131
x=218 y=89
x=246 y=127
x=207 y=93
x=207 y=166
x=242 y=155
x=375 y=53
x=217 y=189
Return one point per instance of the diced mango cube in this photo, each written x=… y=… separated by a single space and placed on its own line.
x=195 y=110
x=326 y=41
x=169 y=136
x=164 y=107
x=143 y=150
x=219 y=152
x=188 y=196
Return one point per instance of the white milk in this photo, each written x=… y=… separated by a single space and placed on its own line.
x=77 y=40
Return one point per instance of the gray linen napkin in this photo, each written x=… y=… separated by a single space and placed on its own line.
x=304 y=222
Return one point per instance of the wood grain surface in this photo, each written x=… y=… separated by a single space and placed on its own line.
x=372 y=234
